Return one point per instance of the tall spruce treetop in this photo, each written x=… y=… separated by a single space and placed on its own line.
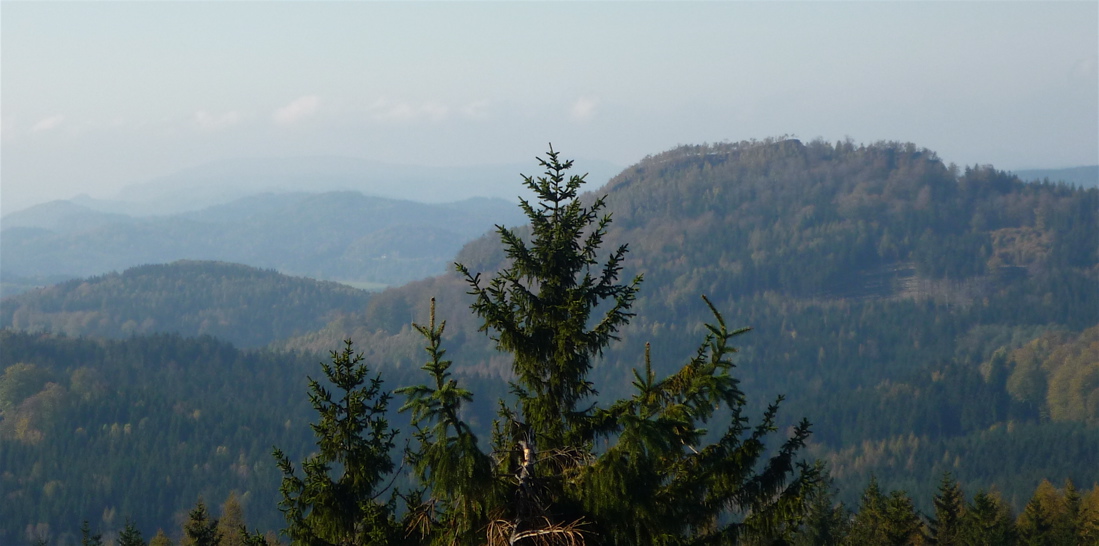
x=336 y=503
x=539 y=308
x=653 y=479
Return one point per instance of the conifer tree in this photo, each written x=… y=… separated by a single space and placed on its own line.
x=988 y=521
x=868 y=525
x=563 y=468
x=1067 y=525
x=130 y=535
x=200 y=530
x=944 y=528
x=336 y=502
x=87 y=538
x=161 y=539
x=1035 y=524
x=827 y=523
x=231 y=524
x=902 y=523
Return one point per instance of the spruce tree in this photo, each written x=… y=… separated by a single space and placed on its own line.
x=200 y=530
x=902 y=523
x=944 y=528
x=130 y=535
x=1035 y=524
x=564 y=468
x=988 y=522
x=868 y=525
x=87 y=538
x=827 y=522
x=336 y=502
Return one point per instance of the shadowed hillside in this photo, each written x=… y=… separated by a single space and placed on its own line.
x=247 y=306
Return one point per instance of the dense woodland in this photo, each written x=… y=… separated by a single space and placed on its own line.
x=934 y=323
x=246 y=306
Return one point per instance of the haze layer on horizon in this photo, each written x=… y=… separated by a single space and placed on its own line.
x=97 y=95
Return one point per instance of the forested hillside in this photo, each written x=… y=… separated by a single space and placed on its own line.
x=924 y=317
x=247 y=306
x=139 y=430
x=880 y=284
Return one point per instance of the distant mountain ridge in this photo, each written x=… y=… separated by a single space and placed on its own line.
x=344 y=236
x=1084 y=177
x=227 y=180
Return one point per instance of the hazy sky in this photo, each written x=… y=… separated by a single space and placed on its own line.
x=96 y=95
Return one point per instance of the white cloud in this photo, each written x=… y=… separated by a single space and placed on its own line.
x=209 y=122
x=1086 y=69
x=583 y=109
x=48 y=123
x=297 y=110
x=476 y=110
x=389 y=110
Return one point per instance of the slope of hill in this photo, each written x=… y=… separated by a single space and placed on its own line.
x=247 y=306
x=110 y=431
x=867 y=273
x=342 y=236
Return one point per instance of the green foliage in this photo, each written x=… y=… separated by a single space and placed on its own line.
x=336 y=502
x=447 y=460
x=18 y=382
x=827 y=524
x=868 y=525
x=945 y=526
x=143 y=427
x=540 y=306
x=200 y=529
x=160 y=539
x=988 y=521
x=131 y=536
x=635 y=471
x=231 y=525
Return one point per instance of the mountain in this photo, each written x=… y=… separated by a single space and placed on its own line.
x=343 y=236
x=247 y=306
x=61 y=216
x=868 y=274
x=925 y=319
x=1084 y=177
x=227 y=180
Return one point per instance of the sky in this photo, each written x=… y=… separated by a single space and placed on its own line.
x=98 y=95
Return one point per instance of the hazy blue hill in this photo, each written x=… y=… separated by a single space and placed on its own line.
x=247 y=306
x=227 y=180
x=343 y=236
x=1085 y=177
x=61 y=217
